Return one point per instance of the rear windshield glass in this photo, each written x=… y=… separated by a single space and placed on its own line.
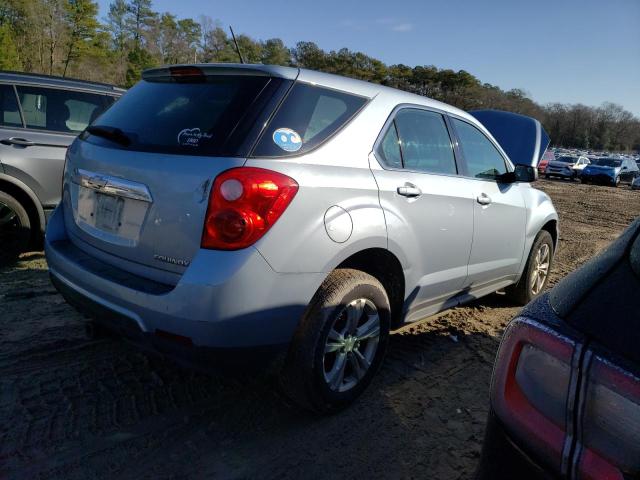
x=195 y=118
x=567 y=159
x=307 y=117
x=607 y=162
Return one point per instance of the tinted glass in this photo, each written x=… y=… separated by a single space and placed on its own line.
x=60 y=110
x=307 y=117
x=607 y=162
x=192 y=118
x=482 y=158
x=425 y=142
x=9 y=113
x=389 y=149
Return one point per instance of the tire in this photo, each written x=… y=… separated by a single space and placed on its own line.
x=15 y=227
x=616 y=182
x=310 y=377
x=548 y=177
x=523 y=292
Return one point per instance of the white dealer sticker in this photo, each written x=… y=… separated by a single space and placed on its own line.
x=191 y=137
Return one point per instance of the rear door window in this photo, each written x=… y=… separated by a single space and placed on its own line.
x=425 y=142
x=9 y=111
x=308 y=116
x=194 y=118
x=482 y=158
x=389 y=149
x=60 y=110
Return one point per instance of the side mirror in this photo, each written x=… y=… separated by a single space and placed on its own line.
x=525 y=173
x=521 y=173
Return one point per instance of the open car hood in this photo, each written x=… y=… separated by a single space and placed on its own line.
x=522 y=138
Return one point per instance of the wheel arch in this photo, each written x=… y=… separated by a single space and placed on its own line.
x=383 y=265
x=26 y=197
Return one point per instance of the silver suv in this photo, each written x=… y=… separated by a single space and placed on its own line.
x=265 y=210
x=39 y=118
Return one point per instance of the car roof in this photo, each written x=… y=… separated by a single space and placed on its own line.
x=328 y=80
x=60 y=82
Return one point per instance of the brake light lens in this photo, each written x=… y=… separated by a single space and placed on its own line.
x=611 y=424
x=244 y=204
x=530 y=387
x=187 y=74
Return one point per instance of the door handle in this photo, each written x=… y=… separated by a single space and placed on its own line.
x=483 y=199
x=409 y=190
x=23 y=142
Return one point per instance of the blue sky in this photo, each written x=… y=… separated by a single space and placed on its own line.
x=576 y=51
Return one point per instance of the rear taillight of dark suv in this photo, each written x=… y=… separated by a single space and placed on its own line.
x=531 y=386
x=576 y=416
x=610 y=427
x=244 y=204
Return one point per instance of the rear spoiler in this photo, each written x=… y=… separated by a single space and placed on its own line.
x=290 y=73
x=522 y=138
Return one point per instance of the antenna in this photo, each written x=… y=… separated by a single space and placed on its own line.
x=233 y=35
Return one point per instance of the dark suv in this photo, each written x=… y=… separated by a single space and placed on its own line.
x=39 y=118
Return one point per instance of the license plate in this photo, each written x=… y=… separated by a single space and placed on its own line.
x=108 y=212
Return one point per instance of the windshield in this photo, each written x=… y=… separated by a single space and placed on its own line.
x=607 y=162
x=211 y=117
x=567 y=160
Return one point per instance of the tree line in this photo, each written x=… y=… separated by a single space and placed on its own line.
x=66 y=38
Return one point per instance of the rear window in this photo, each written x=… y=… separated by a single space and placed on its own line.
x=607 y=162
x=307 y=117
x=210 y=117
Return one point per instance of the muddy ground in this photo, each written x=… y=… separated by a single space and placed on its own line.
x=75 y=408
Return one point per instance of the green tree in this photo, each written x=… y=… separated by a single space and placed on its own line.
x=274 y=52
x=9 y=58
x=138 y=60
x=82 y=25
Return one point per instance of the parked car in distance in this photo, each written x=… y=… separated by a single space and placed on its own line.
x=282 y=211
x=548 y=156
x=610 y=171
x=565 y=393
x=566 y=167
x=40 y=116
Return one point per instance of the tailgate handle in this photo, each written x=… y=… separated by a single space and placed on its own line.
x=112 y=185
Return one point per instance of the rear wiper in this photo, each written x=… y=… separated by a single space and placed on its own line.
x=110 y=133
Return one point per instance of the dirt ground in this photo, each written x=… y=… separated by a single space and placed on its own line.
x=75 y=408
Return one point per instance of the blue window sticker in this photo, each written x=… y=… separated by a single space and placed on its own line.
x=287 y=139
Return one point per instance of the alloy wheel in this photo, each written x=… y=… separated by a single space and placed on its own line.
x=351 y=345
x=541 y=263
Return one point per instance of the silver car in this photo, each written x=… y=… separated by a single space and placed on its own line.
x=259 y=211
x=39 y=118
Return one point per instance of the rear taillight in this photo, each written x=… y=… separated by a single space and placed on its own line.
x=530 y=388
x=610 y=424
x=244 y=204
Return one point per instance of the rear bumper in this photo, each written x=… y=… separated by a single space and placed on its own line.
x=224 y=300
x=502 y=459
x=561 y=173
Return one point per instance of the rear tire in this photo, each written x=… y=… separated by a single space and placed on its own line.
x=339 y=344
x=15 y=227
x=536 y=270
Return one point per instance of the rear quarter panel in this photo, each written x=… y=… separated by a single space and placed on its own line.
x=335 y=174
